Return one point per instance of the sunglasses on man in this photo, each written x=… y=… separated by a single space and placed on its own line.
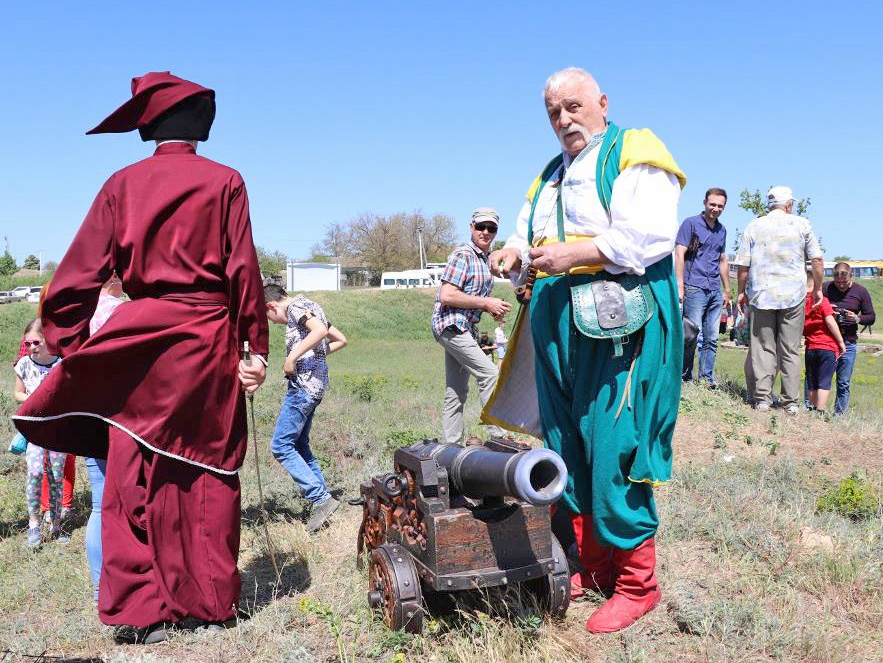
x=486 y=227
x=841 y=273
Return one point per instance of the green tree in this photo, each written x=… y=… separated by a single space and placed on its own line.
x=498 y=244
x=31 y=262
x=271 y=263
x=50 y=266
x=7 y=265
x=737 y=240
x=756 y=203
x=318 y=257
x=842 y=258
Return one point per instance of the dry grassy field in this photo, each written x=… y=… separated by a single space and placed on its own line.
x=765 y=552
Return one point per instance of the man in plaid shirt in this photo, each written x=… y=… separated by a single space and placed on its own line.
x=463 y=296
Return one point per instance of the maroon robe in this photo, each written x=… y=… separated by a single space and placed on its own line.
x=162 y=369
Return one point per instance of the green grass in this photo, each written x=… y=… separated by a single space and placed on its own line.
x=866 y=392
x=11 y=282
x=743 y=577
x=875 y=288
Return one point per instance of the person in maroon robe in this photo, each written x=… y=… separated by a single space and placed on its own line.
x=158 y=390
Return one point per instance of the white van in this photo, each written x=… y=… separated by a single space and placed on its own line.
x=410 y=278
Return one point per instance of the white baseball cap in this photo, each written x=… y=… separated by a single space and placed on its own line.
x=779 y=195
x=486 y=215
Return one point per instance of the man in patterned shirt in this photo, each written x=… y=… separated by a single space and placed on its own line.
x=772 y=281
x=306 y=368
x=463 y=295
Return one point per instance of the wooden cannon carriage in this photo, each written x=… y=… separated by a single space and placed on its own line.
x=451 y=519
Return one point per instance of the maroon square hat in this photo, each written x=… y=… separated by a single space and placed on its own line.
x=152 y=95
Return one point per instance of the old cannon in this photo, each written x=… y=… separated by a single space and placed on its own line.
x=452 y=518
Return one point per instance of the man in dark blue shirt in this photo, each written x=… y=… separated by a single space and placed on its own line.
x=703 y=279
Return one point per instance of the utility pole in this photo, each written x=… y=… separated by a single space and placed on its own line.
x=420 y=245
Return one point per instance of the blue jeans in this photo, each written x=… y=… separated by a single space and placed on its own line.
x=95 y=468
x=291 y=443
x=703 y=307
x=845 y=364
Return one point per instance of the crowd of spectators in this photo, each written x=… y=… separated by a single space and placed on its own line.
x=782 y=300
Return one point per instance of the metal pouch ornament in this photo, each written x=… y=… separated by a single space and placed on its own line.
x=614 y=309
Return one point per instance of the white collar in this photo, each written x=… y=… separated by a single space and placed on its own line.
x=175 y=140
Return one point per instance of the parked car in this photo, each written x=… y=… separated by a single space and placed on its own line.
x=21 y=291
x=34 y=295
x=5 y=296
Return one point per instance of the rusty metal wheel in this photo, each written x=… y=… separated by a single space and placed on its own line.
x=553 y=590
x=394 y=588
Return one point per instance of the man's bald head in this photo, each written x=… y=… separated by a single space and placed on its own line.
x=576 y=107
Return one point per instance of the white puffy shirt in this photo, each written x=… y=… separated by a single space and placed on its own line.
x=643 y=211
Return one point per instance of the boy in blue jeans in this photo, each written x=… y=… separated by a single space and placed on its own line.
x=309 y=338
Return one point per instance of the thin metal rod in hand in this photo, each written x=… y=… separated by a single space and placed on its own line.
x=257 y=467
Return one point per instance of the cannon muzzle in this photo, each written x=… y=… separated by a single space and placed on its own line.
x=537 y=476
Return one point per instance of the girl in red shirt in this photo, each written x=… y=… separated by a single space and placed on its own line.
x=824 y=344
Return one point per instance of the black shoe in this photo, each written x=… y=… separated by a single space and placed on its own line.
x=123 y=634
x=59 y=535
x=200 y=625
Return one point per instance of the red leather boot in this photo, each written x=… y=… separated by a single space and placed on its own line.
x=597 y=574
x=636 y=592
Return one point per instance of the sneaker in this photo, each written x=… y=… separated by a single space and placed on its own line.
x=66 y=512
x=47 y=517
x=792 y=409
x=321 y=513
x=762 y=407
x=34 y=536
x=59 y=535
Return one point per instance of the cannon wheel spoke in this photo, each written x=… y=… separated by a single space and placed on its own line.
x=394 y=588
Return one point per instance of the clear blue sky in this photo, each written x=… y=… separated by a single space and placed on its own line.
x=332 y=109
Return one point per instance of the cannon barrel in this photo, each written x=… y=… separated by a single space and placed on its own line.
x=537 y=476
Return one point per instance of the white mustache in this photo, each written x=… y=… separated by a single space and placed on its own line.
x=575 y=129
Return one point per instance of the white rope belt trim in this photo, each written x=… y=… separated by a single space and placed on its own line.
x=133 y=435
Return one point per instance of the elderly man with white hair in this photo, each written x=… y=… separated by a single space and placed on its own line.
x=594 y=240
x=772 y=281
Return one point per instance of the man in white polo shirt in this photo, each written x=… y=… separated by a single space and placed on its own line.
x=772 y=281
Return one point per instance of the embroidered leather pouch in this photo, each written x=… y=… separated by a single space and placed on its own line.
x=612 y=308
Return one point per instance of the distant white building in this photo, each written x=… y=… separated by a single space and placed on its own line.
x=303 y=276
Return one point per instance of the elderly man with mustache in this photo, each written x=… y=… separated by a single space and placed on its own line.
x=597 y=234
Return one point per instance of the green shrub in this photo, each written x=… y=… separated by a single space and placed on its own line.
x=854 y=498
x=366 y=388
x=404 y=437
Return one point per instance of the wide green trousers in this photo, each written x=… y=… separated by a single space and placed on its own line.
x=613 y=462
